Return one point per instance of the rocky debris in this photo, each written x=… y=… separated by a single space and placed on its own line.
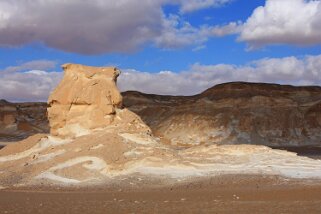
x=234 y=113
x=121 y=145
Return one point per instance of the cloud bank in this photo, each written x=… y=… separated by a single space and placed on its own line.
x=288 y=70
x=92 y=27
x=25 y=82
x=97 y=26
x=88 y=27
x=35 y=85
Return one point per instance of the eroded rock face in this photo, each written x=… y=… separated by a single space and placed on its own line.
x=86 y=99
x=20 y=120
x=234 y=113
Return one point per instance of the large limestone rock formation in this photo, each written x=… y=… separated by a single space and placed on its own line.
x=234 y=113
x=96 y=141
x=85 y=99
x=88 y=125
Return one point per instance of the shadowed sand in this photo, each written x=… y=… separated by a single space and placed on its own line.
x=224 y=194
x=313 y=152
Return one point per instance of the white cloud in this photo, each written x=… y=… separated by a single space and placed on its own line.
x=288 y=70
x=284 y=22
x=32 y=65
x=105 y=26
x=228 y=29
x=193 y=5
x=28 y=86
x=19 y=83
x=88 y=27
x=164 y=82
x=177 y=33
x=102 y=26
x=36 y=85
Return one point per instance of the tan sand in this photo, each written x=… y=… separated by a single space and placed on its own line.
x=225 y=194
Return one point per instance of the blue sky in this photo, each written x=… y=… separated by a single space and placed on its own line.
x=189 y=45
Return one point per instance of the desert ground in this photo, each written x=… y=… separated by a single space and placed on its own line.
x=223 y=194
x=220 y=194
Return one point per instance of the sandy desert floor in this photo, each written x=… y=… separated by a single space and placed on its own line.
x=224 y=194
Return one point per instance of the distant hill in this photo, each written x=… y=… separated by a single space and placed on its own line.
x=234 y=113
x=230 y=113
x=20 y=120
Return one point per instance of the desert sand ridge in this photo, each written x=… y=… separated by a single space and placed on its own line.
x=94 y=140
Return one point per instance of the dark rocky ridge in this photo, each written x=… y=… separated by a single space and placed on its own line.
x=235 y=113
x=230 y=113
x=21 y=120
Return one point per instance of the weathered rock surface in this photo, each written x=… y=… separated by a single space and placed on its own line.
x=18 y=121
x=120 y=145
x=234 y=113
x=85 y=99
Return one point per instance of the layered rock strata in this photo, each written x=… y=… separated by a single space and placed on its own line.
x=234 y=113
x=18 y=121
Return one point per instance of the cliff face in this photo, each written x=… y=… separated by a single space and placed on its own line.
x=86 y=98
x=234 y=113
x=18 y=121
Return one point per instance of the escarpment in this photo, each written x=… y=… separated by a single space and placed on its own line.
x=234 y=113
x=21 y=120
